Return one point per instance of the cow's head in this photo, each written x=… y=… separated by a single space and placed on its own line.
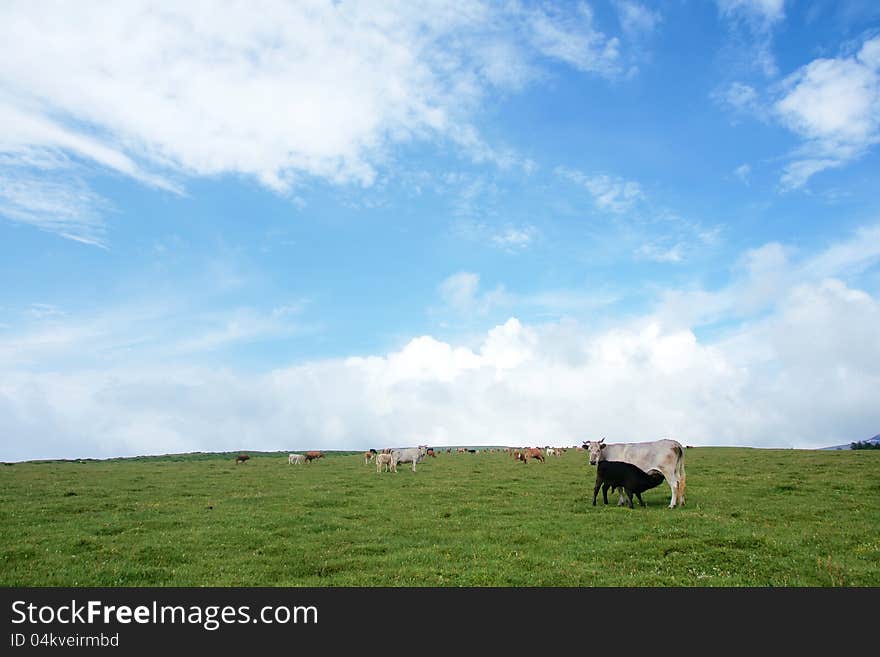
x=423 y=450
x=595 y=448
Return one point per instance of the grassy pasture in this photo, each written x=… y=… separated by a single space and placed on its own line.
x=753 y=518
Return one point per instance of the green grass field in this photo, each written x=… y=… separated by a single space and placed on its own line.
x=753 y=518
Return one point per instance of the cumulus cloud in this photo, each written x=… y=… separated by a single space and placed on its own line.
x=281 y=92
x=834 y=106
x=799 y=367
x=800 y=378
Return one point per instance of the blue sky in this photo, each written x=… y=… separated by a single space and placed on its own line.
x=341 y=226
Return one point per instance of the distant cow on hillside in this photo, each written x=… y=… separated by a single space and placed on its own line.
x=295 y=459
x=534 y=453
x=241 y=458
x=311 y=456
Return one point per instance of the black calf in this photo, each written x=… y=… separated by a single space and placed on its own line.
x=619 y=474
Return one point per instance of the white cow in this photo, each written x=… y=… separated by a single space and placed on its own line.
x=410 y=455
x=663 y=456
x=295 y=459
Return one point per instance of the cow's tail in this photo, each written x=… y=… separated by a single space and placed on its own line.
x=680 y=474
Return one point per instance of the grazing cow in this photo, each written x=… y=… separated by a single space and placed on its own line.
x=626 y=476
x=431 y=453
x=311 y=456
x=368 y=456
x=535 y=453
x=241 y=458
x=520 y=456
x=295 y=459
x=388 y=461
x=663 y=456
x=410 y=455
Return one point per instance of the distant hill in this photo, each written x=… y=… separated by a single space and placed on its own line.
x=874 y=441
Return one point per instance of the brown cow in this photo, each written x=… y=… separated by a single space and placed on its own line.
x=535 y=453
x=368 y=456
x=241 y=458
x=431 y=453
x=311 y=456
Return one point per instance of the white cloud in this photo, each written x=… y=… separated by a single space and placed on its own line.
x=753 y=22
x=834 y=105
x=572 y=38
x=743 y=172
x=610 y=193
x=766 y=11
x=759 y=17
x=636 y=20
x=144 y=332
x=284 y=93
x=658 y=253
x=805 y=376
x=53 y=202
x=460 y=293
x=765 y=274
x=797 y=365
x=514 y=239
x=739 y=97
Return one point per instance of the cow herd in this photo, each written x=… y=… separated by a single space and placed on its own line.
x=629 y=468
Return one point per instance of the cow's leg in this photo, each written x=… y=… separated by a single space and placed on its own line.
x=629 y=498
x=639 y=495
x=605 y=493
x=673 y=485
x=596 y=492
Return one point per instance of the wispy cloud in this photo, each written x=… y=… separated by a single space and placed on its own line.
x=513 y=239
x=637 y=20
x=610 y=193
x=460 y=293
x=658 y=253
x=140 y=333
x=757 y=18
x=571 y=36
x=743 y=172
x=53 y=202
x=742 y=99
